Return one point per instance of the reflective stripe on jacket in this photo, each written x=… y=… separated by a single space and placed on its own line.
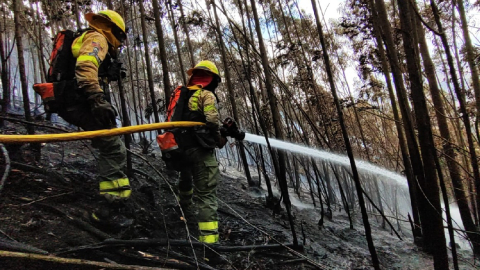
x=205 y=102
x=90 y=49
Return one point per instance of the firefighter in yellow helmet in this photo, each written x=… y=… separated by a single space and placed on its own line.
x=94 y=50
x=201 y=174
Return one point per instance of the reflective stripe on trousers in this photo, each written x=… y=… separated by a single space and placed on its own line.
x=208 y=239
x=208 y=232
x=118 y=188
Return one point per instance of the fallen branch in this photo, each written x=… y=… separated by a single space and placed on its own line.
x=11 y=119
x=144 y=257
x=7 y=236
x=149 y=178
x=17 y=246
x=186 y=259
x=174 y=243
x=7 y=166
x=60 y=260
x=79 y=223
x=44 y=171
x=182 y=243
x=294 y=261
x=46 y=198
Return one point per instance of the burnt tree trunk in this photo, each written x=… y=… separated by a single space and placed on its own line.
x=148 y=61
x=5 y=77
x=163 y=52
x=21 y=64
x=177 y=43
x=430 y=188
x=448 y=146
x=416 y=162
x=356 y=177
x=187 y=34
x=281 y=173
x=461 y=99
x=231 y=95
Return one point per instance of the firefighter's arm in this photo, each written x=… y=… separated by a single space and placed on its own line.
x=92 y=52
x=209 y=105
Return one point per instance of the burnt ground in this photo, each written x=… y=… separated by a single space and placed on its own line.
x=46 y=205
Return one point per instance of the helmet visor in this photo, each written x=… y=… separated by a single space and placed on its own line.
x=119 y=34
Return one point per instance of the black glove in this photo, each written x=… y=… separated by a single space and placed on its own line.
x=231 y=129
x=102 y=110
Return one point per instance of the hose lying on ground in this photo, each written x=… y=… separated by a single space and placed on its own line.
x=44 y=138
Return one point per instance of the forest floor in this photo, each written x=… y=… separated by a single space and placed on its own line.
x=45 y=205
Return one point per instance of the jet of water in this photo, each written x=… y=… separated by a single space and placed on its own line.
x=324 y=155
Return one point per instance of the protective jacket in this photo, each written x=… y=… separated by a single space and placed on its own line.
x=90 y=49
x=202 y=107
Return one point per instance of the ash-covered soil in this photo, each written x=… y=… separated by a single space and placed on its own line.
x=45 y=208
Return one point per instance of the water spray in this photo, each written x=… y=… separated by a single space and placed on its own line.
x=324 y=155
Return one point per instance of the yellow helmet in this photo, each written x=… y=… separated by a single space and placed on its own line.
x=205 y=65
x=110 y=24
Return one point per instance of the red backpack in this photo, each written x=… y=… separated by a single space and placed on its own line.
x=172 y=140
x=62 y=62
x=62 y=69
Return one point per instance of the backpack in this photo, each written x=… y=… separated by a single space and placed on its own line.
x=172 y=142
x=60 y=90
x=61 y=72
x=62 y=63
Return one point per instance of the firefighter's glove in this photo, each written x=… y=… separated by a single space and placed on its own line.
x=102 y=110
x=231 y=129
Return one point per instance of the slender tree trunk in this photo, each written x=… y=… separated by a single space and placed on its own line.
x=132 y=86
x=77 y=14
x=187 y=34
x=177 y=43
x=281 y=173
x=461 y=99
x=21 y=64
x=231 y=95
x=428 y=151
x=126 y=123
x=4 y=76
x=163 y=53
x=416 y=162
x=448 y=147
x=148 y=61
x=17 y=6
x=342 y=193
x=401 y=137
x=256 y=109
x=109 y=4
x=470 y=58
x=366 y=223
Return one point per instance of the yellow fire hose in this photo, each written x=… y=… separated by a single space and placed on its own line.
x=43 y=138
